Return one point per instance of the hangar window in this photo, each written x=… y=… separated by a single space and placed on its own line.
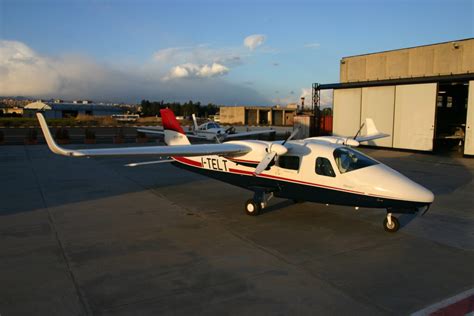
x=324 y=168
x=289 y=162
x=348 y=159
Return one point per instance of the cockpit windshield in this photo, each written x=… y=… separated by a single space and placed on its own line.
x=212 y=125
x=348 y=159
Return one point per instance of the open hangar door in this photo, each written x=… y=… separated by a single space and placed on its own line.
x=451 y=115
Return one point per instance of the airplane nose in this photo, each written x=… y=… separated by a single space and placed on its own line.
x=397 y=186
x=421 y=194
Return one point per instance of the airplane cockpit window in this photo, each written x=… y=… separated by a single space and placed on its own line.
x=324 y=168
x=348 y=160
x=289 y=162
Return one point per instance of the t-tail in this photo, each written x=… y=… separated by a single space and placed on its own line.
x=174 y=133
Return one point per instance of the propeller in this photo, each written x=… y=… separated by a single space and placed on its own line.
x=272 y=151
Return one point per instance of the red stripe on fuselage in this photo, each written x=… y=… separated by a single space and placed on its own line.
x=188 y=161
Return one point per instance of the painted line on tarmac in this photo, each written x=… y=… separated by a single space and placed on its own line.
x=460 y=304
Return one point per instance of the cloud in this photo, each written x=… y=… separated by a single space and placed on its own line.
x=190 y=70
x=253 y=41
x=312 y=45
x=25 y=72
x=200 y=54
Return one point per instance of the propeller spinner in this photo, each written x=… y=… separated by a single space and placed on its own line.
x=273 y=150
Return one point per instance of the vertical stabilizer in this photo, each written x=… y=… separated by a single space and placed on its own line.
x=174 y=133
x=196 y=126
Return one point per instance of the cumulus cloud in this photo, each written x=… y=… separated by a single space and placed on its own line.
x=200 y=54
x=25 y=72
x=253 y=41
x=190 y=70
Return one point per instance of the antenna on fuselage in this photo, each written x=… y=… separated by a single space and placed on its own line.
x=360 y=129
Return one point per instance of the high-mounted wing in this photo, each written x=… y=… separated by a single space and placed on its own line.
x=158 y=151
x=243 y=134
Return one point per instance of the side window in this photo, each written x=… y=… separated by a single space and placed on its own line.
x=289 y=162
x=324 y=168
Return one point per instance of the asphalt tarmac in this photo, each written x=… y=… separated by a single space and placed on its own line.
x=92 y=237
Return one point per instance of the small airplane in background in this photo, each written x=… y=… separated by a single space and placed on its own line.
x=212 y=131
x=316 y=169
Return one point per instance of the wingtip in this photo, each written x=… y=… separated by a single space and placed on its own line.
x=50 y=140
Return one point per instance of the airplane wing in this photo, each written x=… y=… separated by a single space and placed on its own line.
x=162 y=132
x=267 y=131
x=157 y=151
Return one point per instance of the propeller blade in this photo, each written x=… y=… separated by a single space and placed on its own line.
x=265 y=162
x=291 y=136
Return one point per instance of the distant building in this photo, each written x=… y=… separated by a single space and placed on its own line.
x=9 y=110
x=256 y=115
x=62 y=110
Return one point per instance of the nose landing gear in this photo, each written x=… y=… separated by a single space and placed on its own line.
x=260 y=200
x=391 y=223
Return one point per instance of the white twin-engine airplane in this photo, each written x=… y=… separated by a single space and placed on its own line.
x=212 y=131
x=316 y=169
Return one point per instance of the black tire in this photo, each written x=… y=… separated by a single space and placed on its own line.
x=395 y=225
x=252 y=208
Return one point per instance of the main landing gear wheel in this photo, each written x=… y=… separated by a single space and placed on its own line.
x=252 y=208
x=391 y=223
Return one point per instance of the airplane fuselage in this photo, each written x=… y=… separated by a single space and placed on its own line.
x=311 y=172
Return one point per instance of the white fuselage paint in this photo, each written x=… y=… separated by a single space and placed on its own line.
x=376 y=181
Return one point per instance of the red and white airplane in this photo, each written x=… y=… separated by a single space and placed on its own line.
x=317 y=169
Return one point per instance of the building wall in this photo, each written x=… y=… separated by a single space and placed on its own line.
x=251 y=115
x=431 y=60
x=232 y=114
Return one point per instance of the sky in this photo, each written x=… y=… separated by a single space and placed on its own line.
x=224 y=52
